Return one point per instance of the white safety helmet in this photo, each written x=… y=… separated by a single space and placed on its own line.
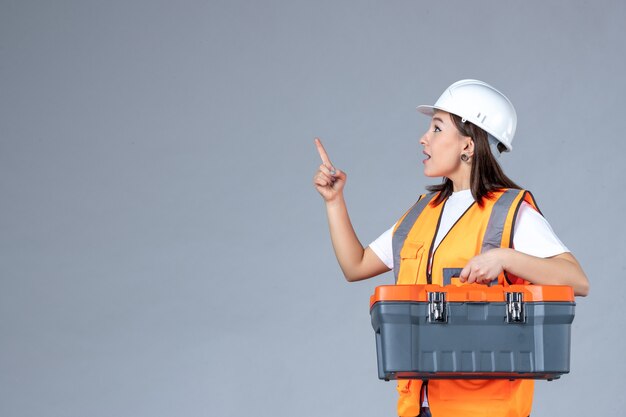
x=481 y=104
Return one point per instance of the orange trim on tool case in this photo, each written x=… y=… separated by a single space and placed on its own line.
x=472 y=293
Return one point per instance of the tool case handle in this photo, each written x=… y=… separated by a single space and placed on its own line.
x=449 y=273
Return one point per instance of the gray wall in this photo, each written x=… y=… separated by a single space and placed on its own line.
x=162 y=249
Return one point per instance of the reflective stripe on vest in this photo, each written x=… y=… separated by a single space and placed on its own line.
x=495 y=227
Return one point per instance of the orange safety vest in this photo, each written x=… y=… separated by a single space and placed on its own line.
x=478 y=230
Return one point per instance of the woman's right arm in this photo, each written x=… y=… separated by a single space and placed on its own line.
x=356 y=262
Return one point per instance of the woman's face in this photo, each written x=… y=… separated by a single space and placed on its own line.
x=443 y=146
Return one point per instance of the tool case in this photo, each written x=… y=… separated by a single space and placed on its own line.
x=472 y=331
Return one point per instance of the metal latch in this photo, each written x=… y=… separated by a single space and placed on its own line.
x=437 y=312
x=515 y=308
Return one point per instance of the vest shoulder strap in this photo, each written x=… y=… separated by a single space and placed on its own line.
x=499 y=231
x=509 y=226
x=495 y=231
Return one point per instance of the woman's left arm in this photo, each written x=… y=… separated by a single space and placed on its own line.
x=561 y=269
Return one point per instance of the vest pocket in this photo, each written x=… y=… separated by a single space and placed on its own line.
x=410 y=261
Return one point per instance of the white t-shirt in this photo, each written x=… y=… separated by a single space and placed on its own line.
x=532 y=233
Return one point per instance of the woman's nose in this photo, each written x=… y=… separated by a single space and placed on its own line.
x=423 y=139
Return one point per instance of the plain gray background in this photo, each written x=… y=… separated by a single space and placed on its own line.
x=162 y=249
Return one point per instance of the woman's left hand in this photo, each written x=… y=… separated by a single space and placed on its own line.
x=484 y=268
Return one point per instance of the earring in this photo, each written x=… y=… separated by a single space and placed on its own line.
x=465 y=157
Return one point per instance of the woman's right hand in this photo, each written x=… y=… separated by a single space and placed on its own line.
x=328 y=180
x=356 y=262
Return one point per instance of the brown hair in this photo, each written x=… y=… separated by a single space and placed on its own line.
x=486 y=175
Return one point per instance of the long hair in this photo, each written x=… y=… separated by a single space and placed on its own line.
x=486 y=175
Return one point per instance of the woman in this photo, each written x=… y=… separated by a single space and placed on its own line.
x=477 y=221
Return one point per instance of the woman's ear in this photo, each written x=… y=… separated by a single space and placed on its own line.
x=468 y=145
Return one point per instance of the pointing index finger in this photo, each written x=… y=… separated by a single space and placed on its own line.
x=323 y=154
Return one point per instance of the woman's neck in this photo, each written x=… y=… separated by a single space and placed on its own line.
x=461 y=181
x=461 y=176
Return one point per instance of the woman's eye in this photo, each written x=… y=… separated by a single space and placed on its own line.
x=436 y=129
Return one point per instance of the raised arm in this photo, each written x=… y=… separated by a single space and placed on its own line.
x=356 y=262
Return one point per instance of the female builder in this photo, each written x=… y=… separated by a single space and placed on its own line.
x=477 y=220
